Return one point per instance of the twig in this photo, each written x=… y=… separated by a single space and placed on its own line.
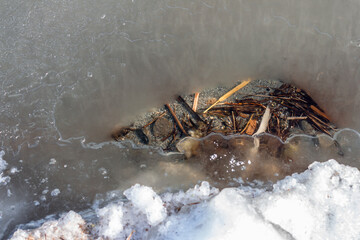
x=233 y=120
x=195 y=103
x=229 y=93
x=247 y=124
x=129 y=237
x=296 y=118
x=193 y=113
x=319 y=111
x=152 y=121
x=176 y=119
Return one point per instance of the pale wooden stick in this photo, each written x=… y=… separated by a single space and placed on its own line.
x=129 y=237
x=196 y=100
x=262 y=128
x=264 y=121
x=229 y=93
x=296 y=118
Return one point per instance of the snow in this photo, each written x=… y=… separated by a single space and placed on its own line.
x=320 y=203
x=147 y=202
x=111 y=218
x=70 y=226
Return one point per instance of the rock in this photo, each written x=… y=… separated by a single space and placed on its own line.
x=162 y=128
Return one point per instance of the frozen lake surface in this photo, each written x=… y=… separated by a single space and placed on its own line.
x=72 y=70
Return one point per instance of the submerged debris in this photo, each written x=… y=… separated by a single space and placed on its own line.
x=291 y=111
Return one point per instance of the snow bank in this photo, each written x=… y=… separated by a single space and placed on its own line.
x=320 y=203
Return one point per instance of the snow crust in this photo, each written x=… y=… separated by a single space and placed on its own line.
x=320 y=203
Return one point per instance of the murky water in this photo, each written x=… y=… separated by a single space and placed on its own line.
x=71 y=70
x=229 y=160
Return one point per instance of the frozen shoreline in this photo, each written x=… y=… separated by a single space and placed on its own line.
x=320 y=203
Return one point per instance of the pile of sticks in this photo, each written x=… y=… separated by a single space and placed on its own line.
x=289 y=109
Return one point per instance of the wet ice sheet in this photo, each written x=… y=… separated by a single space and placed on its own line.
x=69 y=69
x=320 y=203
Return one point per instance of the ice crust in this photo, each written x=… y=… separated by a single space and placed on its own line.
x=320 y=203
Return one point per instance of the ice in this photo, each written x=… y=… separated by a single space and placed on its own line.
x=55 y=192
x=70 y=73
x=320 y=203
x=111 y=218
x=3 y=163
x=70 y=226
x=198 y=193
x=52 y=161
x=229 y=215
x=147 y=202
x=3 y=179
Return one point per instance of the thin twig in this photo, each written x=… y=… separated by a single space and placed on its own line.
x=233 y=120
x=129 y=237
x=296 y=118
x=152 y=121
x=176 y=119
x=319 y=111
x=229 y=93
x=247 y=124
x=195 y=103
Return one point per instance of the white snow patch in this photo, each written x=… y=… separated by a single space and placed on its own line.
x=110 y=223
x=320 y=203
x=70 y=226
x=146 y=201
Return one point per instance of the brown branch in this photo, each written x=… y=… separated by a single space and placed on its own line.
x=152 y=121
x=233 y=120
x=176 y=119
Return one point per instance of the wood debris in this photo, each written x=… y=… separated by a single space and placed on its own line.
x=196 y=100
x=129 y=237
x=228 y=94
x=282 y=111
